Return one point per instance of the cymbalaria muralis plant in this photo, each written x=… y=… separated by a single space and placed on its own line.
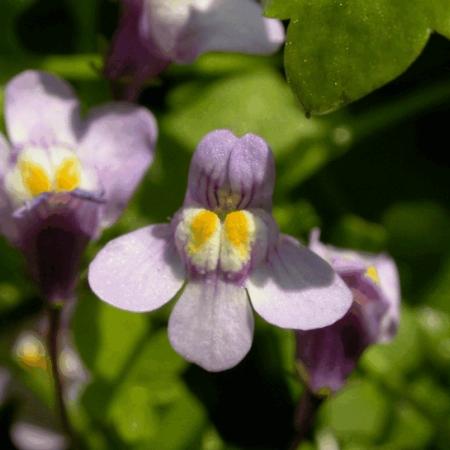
x=62 y=180
x=222 y=252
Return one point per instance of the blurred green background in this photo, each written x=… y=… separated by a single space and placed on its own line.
x=373 y=176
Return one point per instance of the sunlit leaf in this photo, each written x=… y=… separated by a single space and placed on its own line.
x=340 y=50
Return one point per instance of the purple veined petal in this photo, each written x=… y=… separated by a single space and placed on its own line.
x=328 y=355
x=297 y=289
x=133 y=52
x=212 y=324
x=119 y=143
x=230 y=173
x=390 y=286
x=227 y=26
x=139 y=271
x=53 y=231
x=41 y=109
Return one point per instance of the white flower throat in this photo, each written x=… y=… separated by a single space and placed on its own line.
x=38 y=170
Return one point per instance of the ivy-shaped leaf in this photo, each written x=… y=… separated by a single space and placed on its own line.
x=338 y=51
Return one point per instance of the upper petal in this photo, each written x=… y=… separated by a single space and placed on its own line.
x=41 y=108
x=343 y=261
x=231 y=173
x=119 y=143
x=390 y=286
x=4 y=155
x=375 y=277
x=7 y=226
x=229 y=26
x=139 y=271
x=212 y=324
x=297 y=289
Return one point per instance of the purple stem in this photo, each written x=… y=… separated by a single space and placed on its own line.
x=305 y=414
x=54 y=323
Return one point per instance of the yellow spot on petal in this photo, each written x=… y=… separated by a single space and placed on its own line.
x=237 y=231
x=68 y=175
x=203 y=226
x=35 y=178
x=372 y=273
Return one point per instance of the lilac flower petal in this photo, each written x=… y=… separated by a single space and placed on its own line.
x=297 y=289
x=7 y=226
x=41 y=109
x=132 y=51
x=139 y=271
x=343 y=261
x=119 y=143
x=243 y=167
x=27 y=436
x=390 y=286
x=212 y=324
x=4 y=155
x=228 y=26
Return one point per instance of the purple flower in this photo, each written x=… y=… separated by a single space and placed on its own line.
x=154 y=33
x=224 y=248
x=327 y=356
x=63 y=179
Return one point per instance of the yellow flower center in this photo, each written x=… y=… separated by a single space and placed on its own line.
x=237 y=231
x=68 y=175
x=372 y=273
x=38 y=170
x=203 y=227
x=34 y=178
x=212 y=243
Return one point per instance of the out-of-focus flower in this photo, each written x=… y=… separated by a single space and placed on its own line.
x=33 y=426
x=62 y=179
x=327 y=356
x=226 y=246
x=29 y=436
x=154 y=33
x=29 y=350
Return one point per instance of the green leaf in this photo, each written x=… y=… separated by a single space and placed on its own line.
x=257 y=101
x=409 y=429
x=106 y=337
x=338 y=51
x=359 y=411
x=133 y=414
